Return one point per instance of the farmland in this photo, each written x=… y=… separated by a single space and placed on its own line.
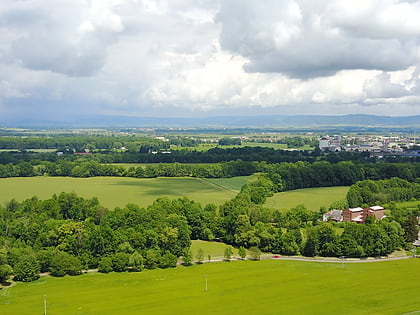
x=118 y=191
x=311 y=198
x=238 y=287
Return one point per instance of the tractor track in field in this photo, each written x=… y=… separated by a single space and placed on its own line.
x=217 y=185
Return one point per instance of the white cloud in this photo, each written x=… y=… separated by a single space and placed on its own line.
x=197 y=57
x=320 y=38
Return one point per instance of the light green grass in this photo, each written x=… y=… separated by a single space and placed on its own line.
x=238 y=287
x=215 y=249
x=115 y=191
x=233 y=183
x=312 y=198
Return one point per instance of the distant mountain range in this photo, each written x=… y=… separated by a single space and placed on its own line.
x=272 y=122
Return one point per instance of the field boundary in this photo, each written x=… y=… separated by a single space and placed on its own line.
x=217 y=185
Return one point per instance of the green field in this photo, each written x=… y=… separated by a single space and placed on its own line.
x=237 y=287
x=312 y=198
x=214 y=249
x=117 y=191
x=233 y=183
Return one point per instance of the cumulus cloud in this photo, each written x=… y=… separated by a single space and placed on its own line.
x=306 y=39
x=381 y=87
x=66 y=37
x=204 y=57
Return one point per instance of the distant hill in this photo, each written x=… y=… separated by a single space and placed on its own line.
x=272 y=121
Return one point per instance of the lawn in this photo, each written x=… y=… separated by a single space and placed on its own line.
x=312 y=198
x=116 y=191
x=215 y=249
x=237 y=287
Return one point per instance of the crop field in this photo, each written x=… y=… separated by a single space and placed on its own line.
x=233 y=183
x=117 y=191
x=236 y=287
x=312 y=198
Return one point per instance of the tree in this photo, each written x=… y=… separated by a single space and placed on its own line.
x=120 y=261
x=5 y=272
x=168 y=260
x=228 y=253
x=27 y=269
x=187 y=258
x=255 y=253
x=151 y=259
x=105 y=264
x=200 y=255
x=136 y=261
x=411 y=229
x=63 y=263
x=242 y=252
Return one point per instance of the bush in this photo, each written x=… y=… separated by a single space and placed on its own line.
x=120 y=262
x=5 y=272
x=63 y=263
x=27 y=269
x=105 y=264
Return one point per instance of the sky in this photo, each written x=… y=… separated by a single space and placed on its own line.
x=198 y=58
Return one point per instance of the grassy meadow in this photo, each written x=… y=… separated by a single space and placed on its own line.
x=118 y=191
x=312 y=198
x=215 y=249
x=237 y=287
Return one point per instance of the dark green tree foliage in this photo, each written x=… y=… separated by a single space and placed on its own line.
x=120 y=261
x=229 y=141
x=62 y=263
x=167 y=260
x=411 y=228
x=259 y=187
x=136 y=261
x=5 y=271
x=382 y=191
x=187 y=258
x=105 y=264
x=26 y=269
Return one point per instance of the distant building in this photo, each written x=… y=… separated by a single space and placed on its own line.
x=359 y=215
x=333 y=215
x=324 y=143
x=330 y=144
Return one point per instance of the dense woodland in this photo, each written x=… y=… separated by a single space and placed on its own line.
x=67 y=234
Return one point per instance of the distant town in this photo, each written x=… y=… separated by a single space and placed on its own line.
x=374 y=144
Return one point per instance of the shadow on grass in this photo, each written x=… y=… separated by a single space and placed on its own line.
x=5 y=284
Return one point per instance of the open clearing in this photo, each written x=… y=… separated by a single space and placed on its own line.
x=117 y=191
x=237 y=287
x=215 y=249
x=312 y=198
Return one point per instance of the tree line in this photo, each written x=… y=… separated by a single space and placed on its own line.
x=67 y=233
